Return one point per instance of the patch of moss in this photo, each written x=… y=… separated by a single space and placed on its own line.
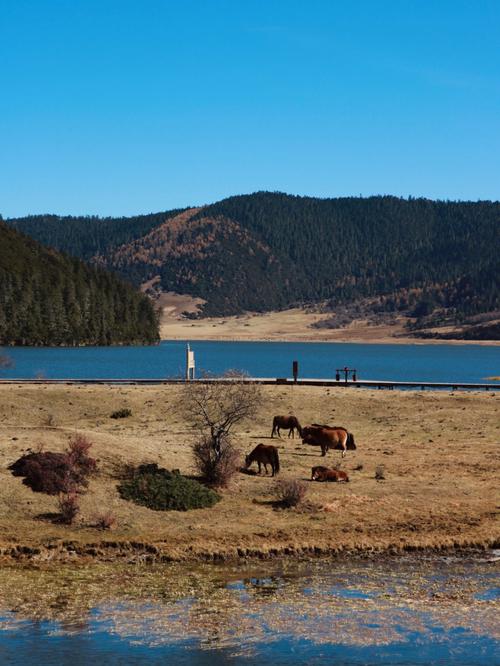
x=161 y=490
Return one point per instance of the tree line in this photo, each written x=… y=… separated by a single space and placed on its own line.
x=47 y=298
x=270 y=250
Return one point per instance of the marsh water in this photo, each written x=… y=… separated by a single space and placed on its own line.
x=392 y=362
x=401 y=611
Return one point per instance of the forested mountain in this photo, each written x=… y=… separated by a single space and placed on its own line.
x=47 y=298
x=87 y=236
x=271 y=250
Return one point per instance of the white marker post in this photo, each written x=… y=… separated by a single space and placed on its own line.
x=189 y=363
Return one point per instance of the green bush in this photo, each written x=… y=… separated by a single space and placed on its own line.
x=161 y=490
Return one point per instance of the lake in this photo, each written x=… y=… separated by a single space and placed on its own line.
x=408 y=610
x=415 y=362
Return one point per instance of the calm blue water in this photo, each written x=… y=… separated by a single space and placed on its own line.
x=39 y=644
x=439 y=363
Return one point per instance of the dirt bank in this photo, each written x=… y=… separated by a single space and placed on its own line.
x=439 y=453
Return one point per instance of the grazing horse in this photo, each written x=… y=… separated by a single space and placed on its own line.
x=265 y=454
x=320 y=473
x=291 y=422
x=328 y=437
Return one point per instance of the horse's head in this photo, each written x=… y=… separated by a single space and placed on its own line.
x=247 y=461
x=307 y=431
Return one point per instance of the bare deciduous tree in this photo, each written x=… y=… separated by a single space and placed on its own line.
x=214 y=406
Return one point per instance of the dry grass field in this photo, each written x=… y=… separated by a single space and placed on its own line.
x=439 y=453
x=293 y=325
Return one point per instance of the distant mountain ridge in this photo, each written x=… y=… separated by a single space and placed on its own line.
x=271 y=250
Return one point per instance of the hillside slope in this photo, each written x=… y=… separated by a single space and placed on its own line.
x=436 y=259
x=47 y=298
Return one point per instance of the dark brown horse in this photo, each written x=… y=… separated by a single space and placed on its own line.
x=328 y=437
x=265 y=454
x=320 y=473
x=291 y=422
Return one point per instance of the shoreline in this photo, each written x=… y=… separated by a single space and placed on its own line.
x=375 y=341
x=136 y=552
x=293 y=325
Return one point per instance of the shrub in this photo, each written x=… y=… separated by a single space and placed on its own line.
x=379 y=473
x=81 y=465
x=68 y=507
x=53 y=473
x=290 y=492
x=105 y=521
x=215 y=467
x=121 y=413
x=161 y=490
x=44 y=472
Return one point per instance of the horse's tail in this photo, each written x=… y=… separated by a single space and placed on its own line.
x=299 y=427
x=351 y=444
x=276 y=461
x=274 y=426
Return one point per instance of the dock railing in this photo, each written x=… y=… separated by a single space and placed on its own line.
x=332 y=383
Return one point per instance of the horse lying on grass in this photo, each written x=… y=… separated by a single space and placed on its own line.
x=328 y=437
x=291 y=422
x=264 y=454
x=320 y=473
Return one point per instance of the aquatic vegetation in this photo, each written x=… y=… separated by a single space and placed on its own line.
x=241 y=608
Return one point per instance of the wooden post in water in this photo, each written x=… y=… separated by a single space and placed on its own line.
x=190 y=365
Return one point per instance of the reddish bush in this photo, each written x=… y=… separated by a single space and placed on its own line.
x=215 y=467
x=105 y=521
x=290 y=492
x=80 y=463
x=53 y=473
x=44 y=472
x=69 y=507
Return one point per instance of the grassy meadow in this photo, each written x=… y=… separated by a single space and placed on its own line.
x=438 y=453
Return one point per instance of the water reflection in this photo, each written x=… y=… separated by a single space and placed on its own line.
x=383 y=613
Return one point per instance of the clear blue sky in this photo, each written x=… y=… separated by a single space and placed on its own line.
x=121 y=107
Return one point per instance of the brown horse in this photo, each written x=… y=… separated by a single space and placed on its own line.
x=265 y=454
x=328 y=437
x=291 y=422
x=320 y=473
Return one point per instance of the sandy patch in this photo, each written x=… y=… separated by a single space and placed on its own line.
x=294 y=325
